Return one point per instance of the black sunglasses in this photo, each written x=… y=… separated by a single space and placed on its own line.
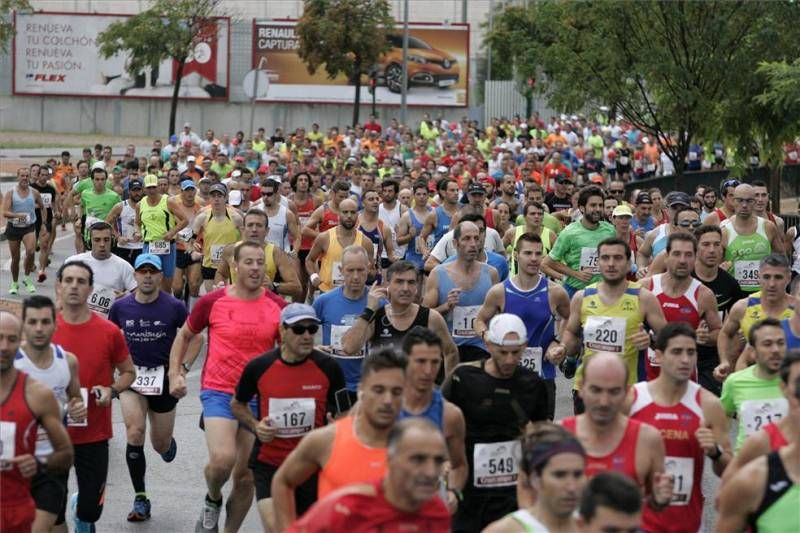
x=687 y=223
x=298 y=329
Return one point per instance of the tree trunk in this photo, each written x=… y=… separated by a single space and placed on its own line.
x=173 y=110
x=357 y=100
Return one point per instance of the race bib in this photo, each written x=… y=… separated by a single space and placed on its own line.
x=495 y=464
x=21 y=222
x=589 y=260
x=235 y=197
x=293 y=417
x=604 y=333
x=159 y=247
x=336 y=274
x=746 y=273
x=47 y=199
x=464 y=320
x=90 y=221
x=651 y=167
x=682 y=471
x=70 y=421
x=216 y=252
x=101 y=299
x=185 y=234
x=337 y=333
x=758 y=413
x=149 y=381
x=532 y=359
x=623 y=161
x=8 y=443
x=692 y=156
x=303 y=219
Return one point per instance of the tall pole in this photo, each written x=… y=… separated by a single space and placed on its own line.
x=404 y=81
x=463 y=11
x=491 y=26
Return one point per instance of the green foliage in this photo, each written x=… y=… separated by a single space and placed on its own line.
x=344 y=37
x=674 y=69
x=7 y=7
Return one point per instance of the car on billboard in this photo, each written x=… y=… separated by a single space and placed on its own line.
x=426 y=65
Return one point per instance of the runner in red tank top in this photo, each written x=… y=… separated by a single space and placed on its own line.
x=325 y=216
x=682 y=297
x=692 y=423
x=612 y=440
x=24 y=405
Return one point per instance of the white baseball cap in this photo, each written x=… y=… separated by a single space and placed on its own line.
x=99 y=164
x=502 y=325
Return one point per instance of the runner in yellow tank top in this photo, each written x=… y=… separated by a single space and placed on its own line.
x=534 y=211
x=219 y=225
x=278 y=265
x=608 y=316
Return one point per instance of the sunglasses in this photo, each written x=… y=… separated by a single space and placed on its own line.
x=267 y=193
x=616 y=191
x=298 y=329
x=686 y=223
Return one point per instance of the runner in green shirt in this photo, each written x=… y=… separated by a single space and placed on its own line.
x=575 y=252
x=97 y=202
x=754 y=394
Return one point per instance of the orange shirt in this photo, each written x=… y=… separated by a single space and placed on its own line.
x=350 y=461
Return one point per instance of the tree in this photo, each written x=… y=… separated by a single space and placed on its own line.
x=7 y=8
x=169 y=29
x=346 y=37
x=670 y=68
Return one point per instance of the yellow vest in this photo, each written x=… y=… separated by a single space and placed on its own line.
x=330 y=269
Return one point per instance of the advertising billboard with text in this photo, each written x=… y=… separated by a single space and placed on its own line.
x=57 y=54
x=438 y=67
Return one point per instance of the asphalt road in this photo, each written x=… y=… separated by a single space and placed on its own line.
x=177 y=489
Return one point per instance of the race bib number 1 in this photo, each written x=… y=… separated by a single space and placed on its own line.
x=8 y=442
x=159 y=247
x=293 y=417
x=216 y=252
x=464 y=320
x=682 y=470
x=149 y=381
x=495 y=464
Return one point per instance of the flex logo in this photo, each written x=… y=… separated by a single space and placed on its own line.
x=58 y=78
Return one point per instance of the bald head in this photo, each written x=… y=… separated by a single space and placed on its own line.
x=604 y=387
x=744 y=191
x=348 y=205
x=605 y=367
x=409 y=431
x=10 y=339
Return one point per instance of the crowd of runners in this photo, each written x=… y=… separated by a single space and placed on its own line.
x=382 y=313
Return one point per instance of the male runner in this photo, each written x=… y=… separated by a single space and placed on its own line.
x=100 y=348
x=656 y=240
x=97 y=201
x=304 y=203
x=761 y=207
x=149 y=318
x=283 y=229
x=533 y=213
x=754 y=394
x=411 y=223
x=188 y=265
x=51 y=365
x=438 y=222
x=220 y=225
x=242 y=322
x=553 y=464
x=45 y=218
x=326 y=216
x=610 y=502
x=25 y=405
x=612 y=440
x=352 y=449
x=421 y=398
x=19 y=209
x=499 y=399
x=446 y=250
x=458 y=289
x=390 y=211
x=405 y=499
x=540 y=303
x=728 y=209
x=122 y=219
x=370 y=224
x=575 y=252
x=296 y=388
x=692 y=423
x=765 y=494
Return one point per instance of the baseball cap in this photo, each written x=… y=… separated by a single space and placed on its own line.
x=99 y=164
x=622 y=211
x=148 y=259
x=218 y=187
x=239 y=158
x=597 y=178
x=187 y=124
x=643 y=198
x=263 y=169
x=136 y=183
x=489 y=180
x=503 y=324
x=191 y=158
x=151 y=180
x=677 y=198
x=294 y=313
x=476 y=188
x=188 y=184
x=561 y=178
x=173 y=138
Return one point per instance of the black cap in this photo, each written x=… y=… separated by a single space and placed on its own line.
x=135 y=183
x=561 y=178
x=476 y=187
x=643 y=198
x=677 y=198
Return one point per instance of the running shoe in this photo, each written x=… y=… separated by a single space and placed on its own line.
x=141 y=509
x=170 y=454
x=80 y=525
x=29 y=286
x=14 y=289
x=42 y=276
x=209 y=518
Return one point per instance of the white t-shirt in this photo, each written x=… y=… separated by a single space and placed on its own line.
x=446 y=247
x=114 y=272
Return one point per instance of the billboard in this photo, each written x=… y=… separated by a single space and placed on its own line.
x=438 y=68
x=57 y=54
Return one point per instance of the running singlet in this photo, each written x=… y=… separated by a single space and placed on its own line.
x=366 y=510
x=238 y=331
x=20 y=204
x=518 y=232
x=376 y=236
x=330 y=268
x=156 y=219
x=606 y=328
x=385 y=334
x=126 y=227
x=330 y=219
x=756 y=401
x=745 y=252
x=296 y=397
x=755 y=313
x=216 y=236
x=622 y=459
x=412 y=252
x=684 y=456
x=660 y=240
x=303 y=214
x=270 y=268
x=684 y=308
x=461 y=320
x=17 y=437
x=576 y=247
x=434 y=412
x=442 y=223
x=721 y=214
x=57 y=377
x=528 y=522
x=792 y=340
x=533 y=307
x=778 y=511
x=350 y=460
x=776 y=438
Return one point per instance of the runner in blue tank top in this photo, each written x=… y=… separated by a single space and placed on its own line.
x=439 y=220
x=411 y=224
x=538 y=302
x=458 y=289
x=791 y=327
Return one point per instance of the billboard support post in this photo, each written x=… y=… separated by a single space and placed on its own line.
x=404 y=86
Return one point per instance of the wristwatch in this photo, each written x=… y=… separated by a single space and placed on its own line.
x=186 y=367
x=717 y=453
x=114 y=393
